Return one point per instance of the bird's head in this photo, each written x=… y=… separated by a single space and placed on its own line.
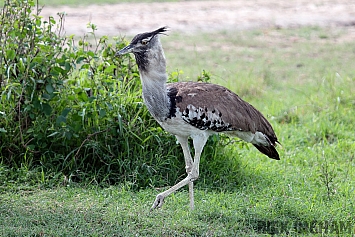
x=141 y=43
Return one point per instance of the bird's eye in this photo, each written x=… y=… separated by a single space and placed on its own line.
x=145 y=42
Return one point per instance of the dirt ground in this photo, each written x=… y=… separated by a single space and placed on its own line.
x=191 y=16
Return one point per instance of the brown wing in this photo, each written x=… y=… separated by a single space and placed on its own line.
x=210 y=106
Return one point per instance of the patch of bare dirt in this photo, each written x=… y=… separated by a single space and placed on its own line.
x=191 y=16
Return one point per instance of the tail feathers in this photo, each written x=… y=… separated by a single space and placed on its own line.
x=270 y=151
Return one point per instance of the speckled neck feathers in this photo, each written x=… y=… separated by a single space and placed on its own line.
x=152 y=67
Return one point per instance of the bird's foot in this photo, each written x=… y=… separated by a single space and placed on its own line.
x=159 y=201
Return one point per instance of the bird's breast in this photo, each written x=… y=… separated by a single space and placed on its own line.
x=178 y=126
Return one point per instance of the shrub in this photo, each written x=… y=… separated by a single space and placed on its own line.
x=75 y=109
x=71 y=111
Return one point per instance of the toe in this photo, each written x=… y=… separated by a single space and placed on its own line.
x=159 y=201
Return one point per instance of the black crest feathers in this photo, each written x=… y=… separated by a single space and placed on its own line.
x=151 y=34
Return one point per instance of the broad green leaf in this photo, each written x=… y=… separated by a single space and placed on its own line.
x=71 y=97
x=83 y=96
x=67 y=66
x=55 y=71
x=60 y=119
x=68 y=135
x=65 y=112
x=92 y=98
x=47 y=109
x=47 y=96
x=31 y=147
x=80 y=59
x=10 y=54
x=52 y=21
x=110 y=68
x=90 y=53
x=102 y=113
x=85 y=66
x=49 y=88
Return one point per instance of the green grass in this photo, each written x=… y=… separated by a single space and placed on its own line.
x=116 y=211
x=302 y=79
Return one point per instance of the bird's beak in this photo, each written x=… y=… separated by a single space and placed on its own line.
x=125 y=50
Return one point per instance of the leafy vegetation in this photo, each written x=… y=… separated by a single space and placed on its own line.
x=72 y=110
x=72 y=124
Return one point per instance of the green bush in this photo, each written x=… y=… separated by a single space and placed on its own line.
x=71 y=111
x=73 y=108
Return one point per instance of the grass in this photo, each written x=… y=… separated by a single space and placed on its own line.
x=302 y=80
x=115 y=211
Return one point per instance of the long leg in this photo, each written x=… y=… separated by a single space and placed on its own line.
x=199 y=142
x=189 y=163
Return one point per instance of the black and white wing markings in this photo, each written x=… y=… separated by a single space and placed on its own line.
x=203 y=118
x=173 y=100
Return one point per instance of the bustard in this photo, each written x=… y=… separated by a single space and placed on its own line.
x=193 y=109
